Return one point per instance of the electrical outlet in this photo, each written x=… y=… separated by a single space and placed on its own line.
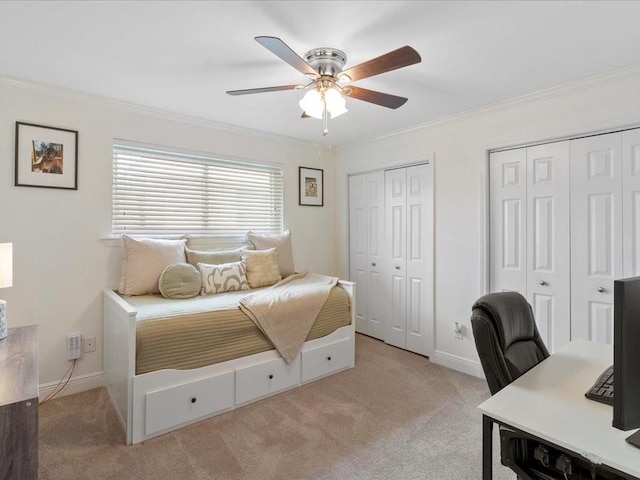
x=74 y=343
x=89 y=344
x=458 y=330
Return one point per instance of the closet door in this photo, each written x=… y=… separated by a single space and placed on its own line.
x=419 y=258
x=507 y=224
x=409 y=226
x=631 y=202
x=529 y=233
x=548 y=241
x=596 y=234
x=375 y=259
x=358 y=257
x=396 y=236
x=366 y=250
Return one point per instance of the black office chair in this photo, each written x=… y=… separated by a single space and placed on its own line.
x=506 y=336
x=509 y=344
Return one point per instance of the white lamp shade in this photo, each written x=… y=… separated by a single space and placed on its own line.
x=312 y=104
x=335 y=102
x=6 y=265
x=333 y=98
x=337 y=111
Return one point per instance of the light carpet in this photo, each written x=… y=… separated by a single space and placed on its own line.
x=394 y=416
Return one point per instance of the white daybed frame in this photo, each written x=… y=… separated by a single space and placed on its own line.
x=155 y=403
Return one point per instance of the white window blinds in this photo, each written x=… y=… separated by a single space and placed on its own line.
x=157 y=192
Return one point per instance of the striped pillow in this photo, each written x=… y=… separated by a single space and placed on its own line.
x=214 y=257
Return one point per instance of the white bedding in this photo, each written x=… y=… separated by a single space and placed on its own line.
x=150 y=307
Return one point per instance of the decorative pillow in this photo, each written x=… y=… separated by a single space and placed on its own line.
x=281 y=242
x=143 y=260
x=180 y=280
x=262 y=267
x=214 y=257
x=226 y=277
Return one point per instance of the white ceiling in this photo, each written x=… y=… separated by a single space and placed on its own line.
x=182 y=56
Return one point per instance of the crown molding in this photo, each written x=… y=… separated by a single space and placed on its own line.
x=545 y=94
x=548 y=93
x=65 y=94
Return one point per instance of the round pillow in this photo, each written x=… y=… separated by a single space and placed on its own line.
x=180 y=280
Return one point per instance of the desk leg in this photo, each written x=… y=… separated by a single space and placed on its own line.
x=487 y=447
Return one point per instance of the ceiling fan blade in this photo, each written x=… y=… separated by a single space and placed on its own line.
x=371 y=96
x=402 y=57
x=282 y=50
x=265 y=89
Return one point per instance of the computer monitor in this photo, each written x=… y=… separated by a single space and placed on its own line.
x=626 y=353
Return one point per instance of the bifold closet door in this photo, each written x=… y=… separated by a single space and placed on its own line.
x=409 y=206
x=596 y=234
x=366 y=245
x=507 y=221
x=396 y=236
x=529 y=250
x=548 y=234
x=631 y=202
x=529 y=233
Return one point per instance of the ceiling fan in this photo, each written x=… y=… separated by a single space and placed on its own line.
x=324 y=66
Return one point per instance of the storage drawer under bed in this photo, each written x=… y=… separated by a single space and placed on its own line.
x=265 y=379
x=321 y=361
x=188 y=401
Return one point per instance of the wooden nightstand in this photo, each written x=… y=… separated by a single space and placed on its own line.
x=19 y=404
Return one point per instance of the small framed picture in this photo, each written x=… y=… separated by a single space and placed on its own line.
x=46 y=157
x=311 y=187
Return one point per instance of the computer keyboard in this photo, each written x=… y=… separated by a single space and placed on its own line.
x=602 y=390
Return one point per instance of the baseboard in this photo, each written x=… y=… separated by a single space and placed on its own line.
x=460 y=364
x=75 y=385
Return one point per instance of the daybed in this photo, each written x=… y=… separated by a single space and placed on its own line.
x=159 y=382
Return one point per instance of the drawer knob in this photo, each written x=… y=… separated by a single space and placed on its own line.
x=602 y=289
x=193 y=400
x=329 y=358
x=270 y=376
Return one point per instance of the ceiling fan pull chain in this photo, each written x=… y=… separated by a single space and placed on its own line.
x=324 y=117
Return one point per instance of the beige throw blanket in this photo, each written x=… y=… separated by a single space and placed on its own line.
x=286 y=312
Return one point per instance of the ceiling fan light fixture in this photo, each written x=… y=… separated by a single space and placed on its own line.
x=312 y=103
x=336 y=104
x=324 y=66
x=336 y=112
x=314 y=113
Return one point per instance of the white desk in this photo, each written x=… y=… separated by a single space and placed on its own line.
x=548 y=402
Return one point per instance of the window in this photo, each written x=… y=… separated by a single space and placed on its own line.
x=159 y=192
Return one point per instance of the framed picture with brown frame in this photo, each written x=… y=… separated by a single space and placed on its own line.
x=311 y=187
x=46 y=157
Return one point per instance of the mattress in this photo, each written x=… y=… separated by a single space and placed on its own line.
x=193 y=333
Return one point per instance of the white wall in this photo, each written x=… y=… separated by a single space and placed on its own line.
x=459 y=145
x=60 y=263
